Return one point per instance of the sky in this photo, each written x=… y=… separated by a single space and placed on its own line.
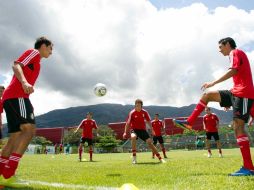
x=159 y=51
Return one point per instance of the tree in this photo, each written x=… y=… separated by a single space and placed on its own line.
x=41 y=141
x=72 y=138
x=108 y=143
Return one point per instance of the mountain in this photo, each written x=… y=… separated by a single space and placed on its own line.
x=109 y=113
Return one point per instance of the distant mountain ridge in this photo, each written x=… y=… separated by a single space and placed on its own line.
x=110 y=113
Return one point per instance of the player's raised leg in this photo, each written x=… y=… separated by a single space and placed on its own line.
x=213 y=96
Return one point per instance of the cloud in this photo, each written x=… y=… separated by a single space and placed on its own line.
x=160 y=55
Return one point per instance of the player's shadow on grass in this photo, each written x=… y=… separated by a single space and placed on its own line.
x=114 y=175
x=88 y=161
x=147 y=163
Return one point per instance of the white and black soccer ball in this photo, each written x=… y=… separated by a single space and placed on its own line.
x=100 y=89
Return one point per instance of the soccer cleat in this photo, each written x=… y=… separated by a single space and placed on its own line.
x=220 y=155
x=243 y=172
x=134 y=160
x=162 y=161
x=182 y=124
x=209 y=155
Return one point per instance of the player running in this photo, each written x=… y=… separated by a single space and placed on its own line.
x=211 y=124
x=137 y=120
x=240 y=97
x=17 y=106
x=87 y=125
x=157 y=127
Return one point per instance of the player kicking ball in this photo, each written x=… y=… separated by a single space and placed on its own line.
x=137 y=119
x=87 y=125
x=240 y=97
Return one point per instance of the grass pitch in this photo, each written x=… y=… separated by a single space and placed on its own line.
x=183 y=170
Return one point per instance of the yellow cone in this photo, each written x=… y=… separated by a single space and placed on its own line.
x=128 y=186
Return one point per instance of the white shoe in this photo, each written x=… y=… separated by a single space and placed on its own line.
x=209 y=155
x=134 y=160
x=162 y=161
x=220 y=155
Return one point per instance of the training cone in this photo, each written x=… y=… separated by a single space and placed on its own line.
x=128 y=186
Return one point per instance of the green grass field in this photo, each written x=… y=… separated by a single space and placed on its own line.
x=183 y=170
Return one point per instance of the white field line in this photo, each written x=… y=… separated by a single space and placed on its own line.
x=63 y=185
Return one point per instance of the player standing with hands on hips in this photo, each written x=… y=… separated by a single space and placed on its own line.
x=17 y=106
x=137 y=120
x=240 y=97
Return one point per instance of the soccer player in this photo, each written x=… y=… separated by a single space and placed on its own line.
x=137 y=120
x=157 y=127
x=87 y=125
x=240 y=97
x=211 y=124
x=1 y=111
x=17 y=106
x=60 y=148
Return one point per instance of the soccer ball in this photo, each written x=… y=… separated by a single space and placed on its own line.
x=100 y=89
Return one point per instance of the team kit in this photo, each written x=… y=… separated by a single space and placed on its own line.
x=21 y=121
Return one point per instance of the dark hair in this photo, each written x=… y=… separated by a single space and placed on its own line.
x=40 y=41
x=89 y=113
x=139 y=101
x=208 y=108
x=2 y=87
x=229 y=40
x=157 y=114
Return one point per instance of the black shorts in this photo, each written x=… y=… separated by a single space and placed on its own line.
x=241 y=106
x=89 y=141
x=215 y=135
x=18 y=111
x=140 y=133
x=157 y=138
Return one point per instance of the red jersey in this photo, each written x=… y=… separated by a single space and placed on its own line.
x=210 y=122
x=243 y=84
x=136 y=119
x=30 y=60
x=88 y=125
x=157 y=127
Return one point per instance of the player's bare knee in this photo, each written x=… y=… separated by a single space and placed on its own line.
x=133 y=136
x=149 y=141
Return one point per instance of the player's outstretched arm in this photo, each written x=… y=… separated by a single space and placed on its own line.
x=231 y=72
x=77 y=128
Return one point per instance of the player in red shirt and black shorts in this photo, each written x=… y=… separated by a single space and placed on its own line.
x=211 y=124
x=17 y=106
x=157 y=127
x=87 y=125
x=137 y=120
x=240 y=98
